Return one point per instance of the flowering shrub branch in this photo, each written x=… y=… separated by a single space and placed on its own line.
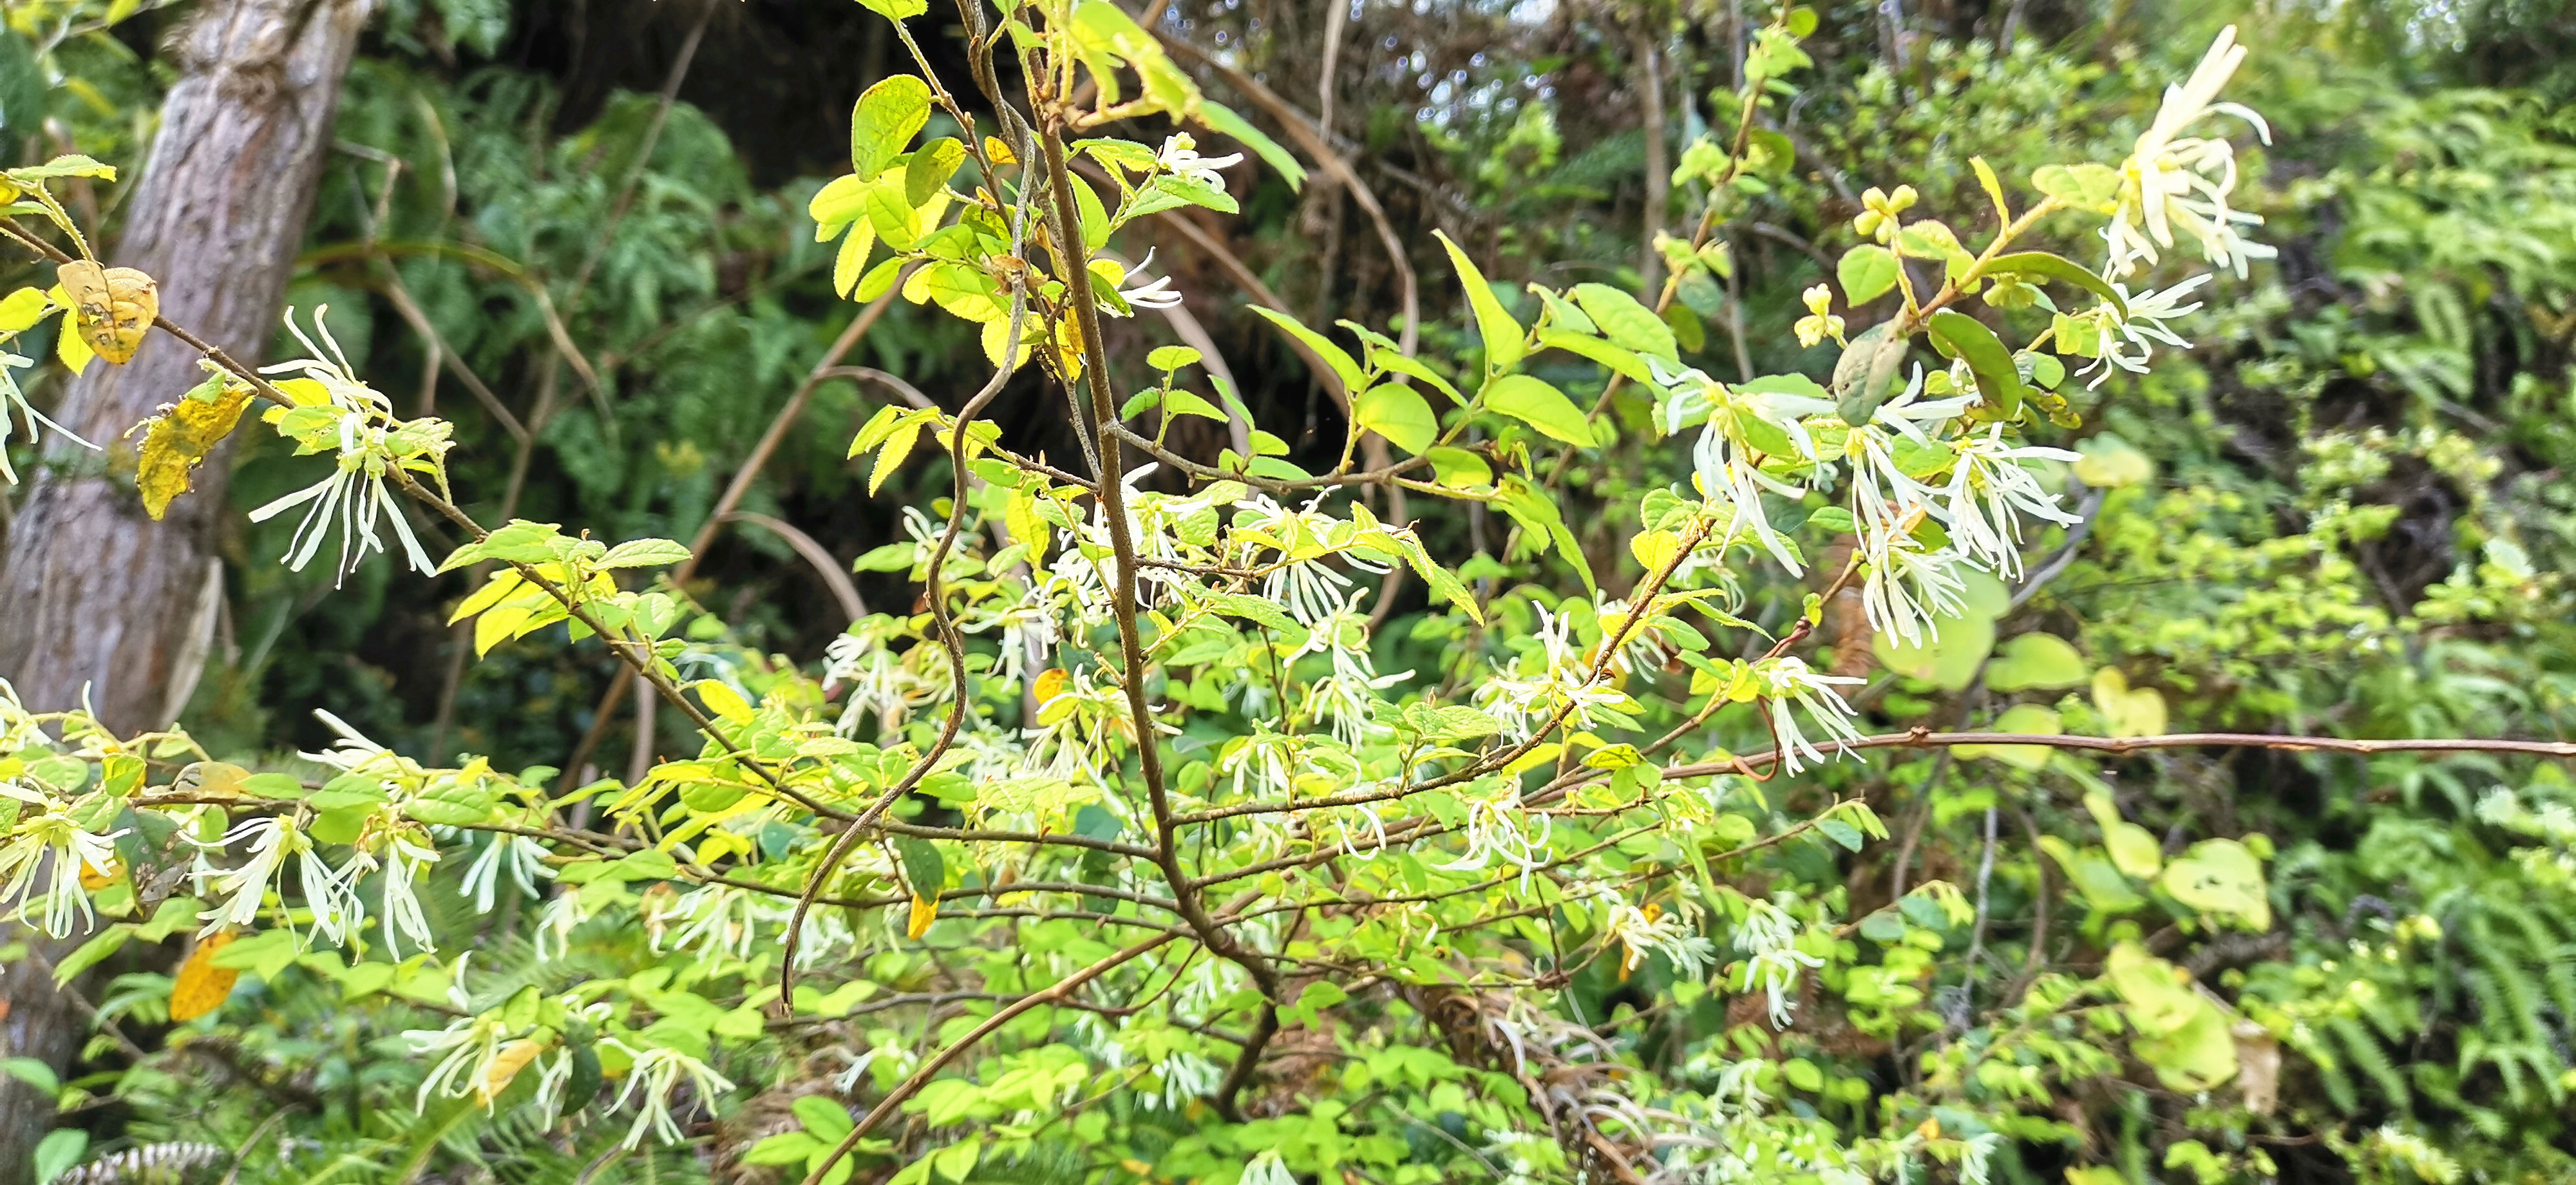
x=1290 y=826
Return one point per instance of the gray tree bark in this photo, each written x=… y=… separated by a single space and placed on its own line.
x=96 y=597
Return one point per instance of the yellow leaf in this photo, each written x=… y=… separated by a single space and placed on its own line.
x=94 y=878
x=1655 y=549
x=497 y=626
x=305 y=392
x=73 y=351
x=1051 y=683
x=498 y=589
x=1537 y=756
x=891 y=454
x=722 y=700
x=924 y=912
x=997 y=334
x=1031 y=531
x=113 y=307
x=2130 y=713
x=202 y=987
x=22 y=309
x=504 y=1066
x=180 y=437
x=852 y=260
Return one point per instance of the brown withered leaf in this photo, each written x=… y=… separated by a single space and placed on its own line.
x=112 y=307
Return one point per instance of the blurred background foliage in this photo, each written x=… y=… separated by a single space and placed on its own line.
x=2346 y=514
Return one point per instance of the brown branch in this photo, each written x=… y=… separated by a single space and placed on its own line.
x=911 y=1086
x=604 y=715
x=814 y=553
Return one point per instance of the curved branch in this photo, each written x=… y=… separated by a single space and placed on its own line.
x=825 y=564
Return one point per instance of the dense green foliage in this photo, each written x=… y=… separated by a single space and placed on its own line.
x=2340 y=511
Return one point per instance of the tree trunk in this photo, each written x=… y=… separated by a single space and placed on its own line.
x=101 y=601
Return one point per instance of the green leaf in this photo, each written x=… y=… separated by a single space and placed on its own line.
x=1998 y=382
x=923 y=866
x=878 y=280
x=1458 y=468
x=783 y=1148
x=1251 y=608
x=2105 y=891
x=1501 y=334
x=1866 y=369
x=843 y=201
x=897 y=10
x=2055 y=267
x=1618 y=359
x=90 y=954
x=1170 y=358
x=32 y=1072
x=2085 y=187
x=2036 y=662
x=643 y=553
x=1222 y=119
x=931 y=168
x=1949 y=661
x=58 y=1152
x=1867 y=272
x=1399 y=415
x=1182 y=403
x=1685 y=323
x=822 y=1117
x=1335 y=357
x=1534 y=402
x=1631 y=325
x=886 y=119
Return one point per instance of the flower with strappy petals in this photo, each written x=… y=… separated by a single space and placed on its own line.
x=1180 y=158
x=2172 y=181
x=48 y=844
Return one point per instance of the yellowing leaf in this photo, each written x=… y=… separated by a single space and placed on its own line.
x=887 y=117
x=837 y=204
x=180 y=437
x=2030 y=719
x=202 y=986
x=2221 y=877
x=2035 y=661
x=924 y=912
x=2133 y=849
x=2130 y=712
x=2110 y=463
